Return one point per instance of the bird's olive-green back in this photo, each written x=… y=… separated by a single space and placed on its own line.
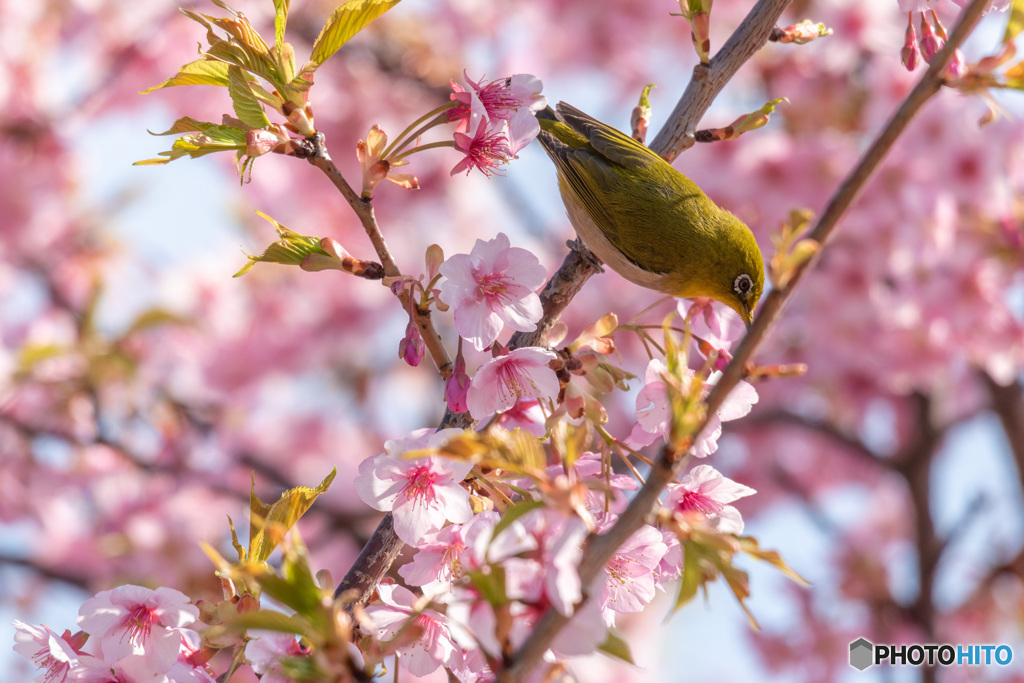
x=657 y=217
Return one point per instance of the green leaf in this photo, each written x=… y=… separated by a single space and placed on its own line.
x=513 y=513
x=154 y=317
x=691 y=580
x=269 y=523
x=345 y=22
x=213 y=138
x=268 y=620
x=199 y=72
x=244 y=101
x=291 y=249
x=1015 y=23
x=491 y=585
x=258 y=63
x=280 y=21
x=615 y=646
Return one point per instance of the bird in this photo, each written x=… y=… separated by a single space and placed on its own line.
x=647 y=221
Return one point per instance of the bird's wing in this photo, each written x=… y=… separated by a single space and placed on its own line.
x=610 y=142
x=608 y=196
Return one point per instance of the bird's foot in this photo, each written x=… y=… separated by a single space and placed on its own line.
x=581 y=248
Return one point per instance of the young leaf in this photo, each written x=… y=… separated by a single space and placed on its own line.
x=280 y=21
x=269 y=523
x=199 y=72
x=513 y=513
x=244 y=101
x=615 y=646
x=345 y=22
x=214 y=138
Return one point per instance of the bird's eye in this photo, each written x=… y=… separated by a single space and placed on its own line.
x=742 y=285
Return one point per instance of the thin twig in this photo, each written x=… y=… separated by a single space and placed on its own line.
x=709 y=79
x=363 y=209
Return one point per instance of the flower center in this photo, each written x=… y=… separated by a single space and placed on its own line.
x=137 y=625
x=420 y=483
x=692 y=501
x=493 y=287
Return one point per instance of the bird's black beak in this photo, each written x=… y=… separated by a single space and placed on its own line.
x=748 y=317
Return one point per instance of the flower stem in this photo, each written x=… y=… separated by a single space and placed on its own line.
x=407 y=137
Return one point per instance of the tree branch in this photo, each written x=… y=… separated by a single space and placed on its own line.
x=709 y=79
x=601 y=548
x=363 y=208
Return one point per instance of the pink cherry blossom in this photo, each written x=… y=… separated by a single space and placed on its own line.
x=492 y=285
x=422 y=493
x=498 y=99
x=265 y=650
x=704 y=490
x=652 y=410
x=433 y=649
x=486 y=149
x=527 y=415
x=46 y=649
x=630 y=575
x=136 y=620
x=502 y=381
x=438 y=560
x=713 y=323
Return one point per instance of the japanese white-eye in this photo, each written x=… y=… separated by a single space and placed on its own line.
x=646 y=220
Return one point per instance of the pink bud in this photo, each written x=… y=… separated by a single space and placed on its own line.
x=910 y=54
x=411 y=348
x=958 y=65
x=457 y=387
x=930 y=43
x=575 y=401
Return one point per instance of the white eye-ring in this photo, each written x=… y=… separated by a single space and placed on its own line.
x=742 y=285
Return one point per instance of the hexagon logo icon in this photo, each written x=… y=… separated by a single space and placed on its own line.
x=861 y=654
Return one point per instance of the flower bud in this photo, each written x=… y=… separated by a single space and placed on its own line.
x=457 y=387
x=411 y=348
x=930 y=43
x=910 y=55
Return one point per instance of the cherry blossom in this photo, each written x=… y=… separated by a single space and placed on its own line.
x=499 y=99
x=705 y=491
x=421 y=492
x=501 y=381
x=432 y=648
x=652 y=410
x=492 y=285
x=631 y=575
x=714 y=326
x=265 y=649
x=135 y=620
x=47 y=650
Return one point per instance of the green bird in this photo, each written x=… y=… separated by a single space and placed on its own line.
x=647 y=221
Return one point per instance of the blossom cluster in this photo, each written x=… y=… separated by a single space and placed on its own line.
x=128 y=634
x=485 y=580
x=494 y=120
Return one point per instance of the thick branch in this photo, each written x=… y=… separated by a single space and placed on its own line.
x=601 y=548
x=1008 y=405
